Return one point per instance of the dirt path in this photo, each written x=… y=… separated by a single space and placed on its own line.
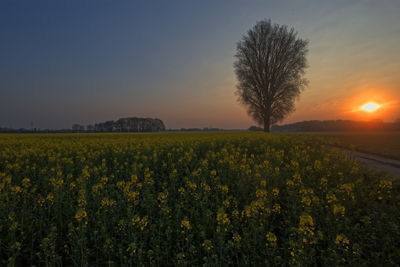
x=391 y=166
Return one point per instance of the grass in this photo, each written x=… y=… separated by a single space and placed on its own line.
x=380 y=143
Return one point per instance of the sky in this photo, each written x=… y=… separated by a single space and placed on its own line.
x=81 y=61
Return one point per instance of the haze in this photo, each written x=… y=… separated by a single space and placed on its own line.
x=65 y=62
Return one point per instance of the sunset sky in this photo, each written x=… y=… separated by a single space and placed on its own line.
x=78 y=61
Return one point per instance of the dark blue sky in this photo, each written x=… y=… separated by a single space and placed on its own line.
x=64 y=62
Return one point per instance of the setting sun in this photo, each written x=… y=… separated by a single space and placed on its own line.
x=370 y=107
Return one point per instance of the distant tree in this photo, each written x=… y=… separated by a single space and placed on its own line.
x=270 y=64
x=255 y=129
x=90 y=128
x=131 y=125
x=78 y=128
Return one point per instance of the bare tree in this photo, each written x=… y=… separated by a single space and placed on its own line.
x=270 y=64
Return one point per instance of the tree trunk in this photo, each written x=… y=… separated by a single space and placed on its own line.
x=266 y=124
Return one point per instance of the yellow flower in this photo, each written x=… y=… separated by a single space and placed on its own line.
x=13 y=226
x=41 y=201
x=135 y=220
x=385 y=184
x=226 y=203
x=185 y=224
x=7 y=180
x=331 y=198
x=289 y=183
x=271 y=237
x=294 y=164
x=162 y=197
x=223 y=188
x=306 y=191
x=97 y=187
x=181 y=190
x=235 y=213
x=104 y=180
x=132 y=196
x=72 y=185
x=140 y=223
x=222 y=218
x=275 y=192
x=139 y=186
x=306 y=201
x=131 y=248
x=180 y=256
x=50 y=197
x=343 y=241
x=339 y=210
x=134 y=178
x=347 y=187
x=206 y=187
x=16 y=189
x=57 y=183
x=108 y=202
x=121 y=184
x=26 y=182
x=296 y=177
x=261 y=193
x=191 y=185
x=306 y=223
x=236 y=238
x=354 y=170
x=80 y=214
x=207 y=245
x=276 y=208
x=317 y=165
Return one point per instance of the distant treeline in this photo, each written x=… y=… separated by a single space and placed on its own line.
x=34 y=130
x=200 y=130
x=157 y=125
x=123 y=125
x=337 y=126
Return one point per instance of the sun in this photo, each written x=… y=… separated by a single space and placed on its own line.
x=370 y=107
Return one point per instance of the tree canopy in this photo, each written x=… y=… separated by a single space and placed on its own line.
x=270 y=64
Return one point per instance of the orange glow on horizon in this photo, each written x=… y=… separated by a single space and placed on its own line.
x=370 y=104
x=370 y=107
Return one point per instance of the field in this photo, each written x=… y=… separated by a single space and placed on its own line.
x=381 y=143
x=191 y=199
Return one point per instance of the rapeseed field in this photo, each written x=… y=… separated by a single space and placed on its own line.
x=215 y=199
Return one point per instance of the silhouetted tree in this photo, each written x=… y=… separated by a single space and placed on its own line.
x=77 y=128
x=270 y=63
x=90 y=128
x=131 y=125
